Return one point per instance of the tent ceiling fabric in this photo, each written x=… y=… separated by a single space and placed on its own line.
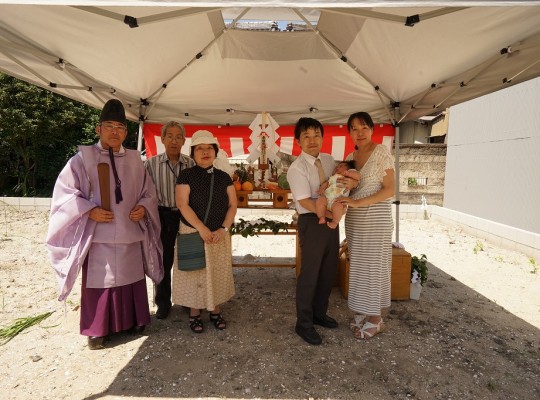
x=184 y=63
x=279 y=3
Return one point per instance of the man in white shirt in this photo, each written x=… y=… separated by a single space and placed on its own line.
x=319 y=245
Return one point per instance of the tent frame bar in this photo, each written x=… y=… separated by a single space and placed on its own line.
x=148 y=19
x=363 y=12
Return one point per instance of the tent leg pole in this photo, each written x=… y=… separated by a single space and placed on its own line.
x=140 y=136
x=396 y=173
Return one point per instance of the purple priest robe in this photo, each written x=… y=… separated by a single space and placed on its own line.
x=114 y=258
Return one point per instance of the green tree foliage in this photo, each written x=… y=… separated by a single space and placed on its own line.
x=39 y=132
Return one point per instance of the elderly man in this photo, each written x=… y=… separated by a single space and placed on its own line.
x=164 y=169
x=104 y=220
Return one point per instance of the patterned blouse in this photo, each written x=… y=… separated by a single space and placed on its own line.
x=373 y=172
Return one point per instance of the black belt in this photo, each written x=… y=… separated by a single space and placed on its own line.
x=307 y=215
x=168 y=209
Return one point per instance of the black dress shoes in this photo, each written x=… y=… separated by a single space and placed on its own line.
x=326 y=321
x=96 y=342
x=309 y=335
x=162 y=312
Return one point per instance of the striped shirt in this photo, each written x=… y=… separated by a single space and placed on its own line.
x=164 y=174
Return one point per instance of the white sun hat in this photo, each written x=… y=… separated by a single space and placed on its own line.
x=203 y=137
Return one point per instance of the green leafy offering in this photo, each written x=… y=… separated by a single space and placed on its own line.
x=283 y=183
x=242 y=173
x=251 y=228
x=20 y=324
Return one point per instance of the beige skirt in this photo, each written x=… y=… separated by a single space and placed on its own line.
x=209 y=287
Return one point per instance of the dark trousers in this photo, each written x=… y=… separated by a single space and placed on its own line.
x=319 y=247
x=170 y=222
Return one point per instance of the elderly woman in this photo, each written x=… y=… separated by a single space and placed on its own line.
x=368 y=227
x=213 y=285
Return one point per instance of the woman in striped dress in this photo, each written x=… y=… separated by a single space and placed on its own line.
x=368 y=227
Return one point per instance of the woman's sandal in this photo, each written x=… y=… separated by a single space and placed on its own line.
x=357 y=323
x=196 y=324
x=218 y=321
x=363 y=333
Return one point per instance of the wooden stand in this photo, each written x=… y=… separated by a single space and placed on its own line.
x=280 y=198
x=242 y=197
x=400 y=279
x=287 y=262
x=401 y=274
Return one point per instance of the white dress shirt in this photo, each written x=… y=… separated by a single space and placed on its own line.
x=303 y=177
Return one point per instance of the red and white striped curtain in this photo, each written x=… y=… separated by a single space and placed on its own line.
x=234 y=140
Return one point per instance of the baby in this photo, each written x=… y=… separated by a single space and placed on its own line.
x=330 y=190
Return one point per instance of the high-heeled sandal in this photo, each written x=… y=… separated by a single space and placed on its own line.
x=356 y=324
x=196 y=324
x=365 y=335
x=218 y=321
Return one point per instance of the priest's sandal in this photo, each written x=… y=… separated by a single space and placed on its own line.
x=218 y=321
x=137 y=329
x=96 y=342
x=196 y=324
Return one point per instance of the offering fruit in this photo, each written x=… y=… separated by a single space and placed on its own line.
x=237 y=185
x=247 y=185
x=272 y=186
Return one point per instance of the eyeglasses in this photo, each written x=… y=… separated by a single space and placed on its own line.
x=111 y=127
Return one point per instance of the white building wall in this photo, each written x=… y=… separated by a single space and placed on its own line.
x=493 y=157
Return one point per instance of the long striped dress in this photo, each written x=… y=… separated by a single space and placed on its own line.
x=369 y=238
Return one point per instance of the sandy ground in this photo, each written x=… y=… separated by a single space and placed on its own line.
x=474 y=333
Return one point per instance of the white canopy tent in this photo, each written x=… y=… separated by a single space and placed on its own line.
x=398 y=60
x=172 y=60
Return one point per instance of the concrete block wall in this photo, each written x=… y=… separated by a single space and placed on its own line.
x=26 y=203
x=420 y=161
